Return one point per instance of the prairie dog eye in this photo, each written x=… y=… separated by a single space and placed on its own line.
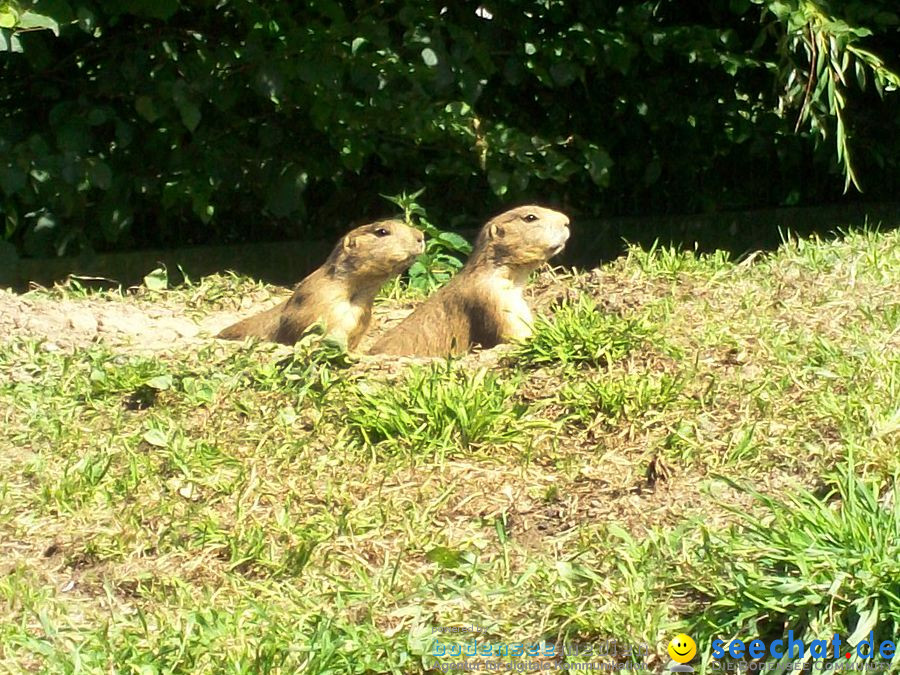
x=529 y=218
x=381 y=232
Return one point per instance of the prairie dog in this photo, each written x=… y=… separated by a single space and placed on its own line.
x=483 y=304
x=341 y=292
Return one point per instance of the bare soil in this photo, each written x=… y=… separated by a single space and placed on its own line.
x=138 y=323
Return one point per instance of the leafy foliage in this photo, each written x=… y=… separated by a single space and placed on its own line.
x=155 y=122
x=440 y=260
x=833 y=55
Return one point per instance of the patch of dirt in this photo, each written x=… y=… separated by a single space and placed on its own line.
x=70 y=324
x=134 y=324
x=144 y=324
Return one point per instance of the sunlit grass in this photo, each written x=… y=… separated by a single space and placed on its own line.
x=669 y=452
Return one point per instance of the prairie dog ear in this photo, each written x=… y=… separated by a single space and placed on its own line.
x=496 y=230
x=348 y=242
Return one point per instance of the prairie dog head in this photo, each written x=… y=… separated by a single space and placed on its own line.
x=522 y=238
x=377 y=251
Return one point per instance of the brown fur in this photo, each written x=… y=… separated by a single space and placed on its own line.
x=341 y=292
x=484 y=303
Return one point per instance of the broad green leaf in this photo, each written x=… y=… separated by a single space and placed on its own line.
x=8 y=17
x=157 y=280
x=445 y=557
x=100 y=174
x=9 y=42
x=499 y=181
x=160 y=382
x=564 y=73
x=417 y=269
x=429 y=57
x=598 y=165
x=87 y=20
x=454 y=241
x=32 y=20
x=190 y=114
x=156 y=438
x=41 y=236
x=97 y=116
x=146 y=108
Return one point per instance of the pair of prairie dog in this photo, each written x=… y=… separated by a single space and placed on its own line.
x=482 y=305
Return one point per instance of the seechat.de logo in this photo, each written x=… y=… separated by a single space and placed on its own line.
x=796 y=648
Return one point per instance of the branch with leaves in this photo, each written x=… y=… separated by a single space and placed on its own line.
x=833 y=55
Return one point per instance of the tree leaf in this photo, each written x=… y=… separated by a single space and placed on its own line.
x=563 y=73
x=155 y=437
x=146 y=108
x=41 y=235
x=87 y=20
x=157 y=280
x=598 y=165
x=9 y=41
x=160 y=382
x=429 y=57
x=97 y=116
x=8 y=17
x=100 y=174
x=499 y=181
x=190 y=114
x=33 y=20
x=445 y=557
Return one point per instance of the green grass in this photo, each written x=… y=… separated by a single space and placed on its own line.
x=824 y=563
x=670 y=452
x=611 y=398
x=580 y=333
x=436 y=409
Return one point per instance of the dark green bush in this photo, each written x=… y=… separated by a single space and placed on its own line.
x=159 y=122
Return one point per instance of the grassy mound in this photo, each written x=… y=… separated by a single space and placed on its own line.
x=661 y=457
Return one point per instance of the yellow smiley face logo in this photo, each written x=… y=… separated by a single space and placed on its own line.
x=682 y=648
